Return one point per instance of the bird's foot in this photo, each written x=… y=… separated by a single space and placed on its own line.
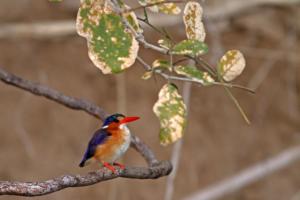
x=119 y=165
x=110 y=167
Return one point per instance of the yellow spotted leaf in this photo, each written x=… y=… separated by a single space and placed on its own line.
x=195 y=74
x=111 y=46
x=231 y=65
x=171 y=112
x=190 y=47
x=192 y=18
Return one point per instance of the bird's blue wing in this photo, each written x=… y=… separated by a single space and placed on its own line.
x=99 y=137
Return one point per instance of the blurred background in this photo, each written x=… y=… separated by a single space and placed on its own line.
x=41 y=139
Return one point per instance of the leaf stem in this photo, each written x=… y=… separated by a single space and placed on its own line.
x=179 y=78
x=235 y=101
x=230 y=85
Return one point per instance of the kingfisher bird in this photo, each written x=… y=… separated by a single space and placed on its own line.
x=109 y=142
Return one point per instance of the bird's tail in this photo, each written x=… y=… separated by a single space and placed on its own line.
x=86 y=162
x=82 y=163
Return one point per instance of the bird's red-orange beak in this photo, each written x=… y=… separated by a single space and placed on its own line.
x=128 y=119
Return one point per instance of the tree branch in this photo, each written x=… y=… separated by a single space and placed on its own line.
x=54 y=95
x=66 y=181
x=156 y=168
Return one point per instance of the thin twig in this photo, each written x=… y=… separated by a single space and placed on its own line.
x=186 y=79
x=144 y=64
x=231 y=85
x=239 y=107
x=148 y=45
x=138 y=36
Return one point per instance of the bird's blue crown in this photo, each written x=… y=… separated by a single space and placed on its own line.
x=112 y=118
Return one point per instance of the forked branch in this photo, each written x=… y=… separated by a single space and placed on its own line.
x=156 y=168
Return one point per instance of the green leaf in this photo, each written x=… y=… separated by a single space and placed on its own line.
x=192 y=18
x=195 y=74
x=55 y=1
x=161 y=65
x=171 y=112
x=167 y=8
x=231 y=65
x=111 y=47
x=190 y=47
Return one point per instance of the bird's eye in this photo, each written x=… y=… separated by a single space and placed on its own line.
x=116 y=120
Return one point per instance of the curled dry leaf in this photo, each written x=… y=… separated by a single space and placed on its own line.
x=192 y=18
x=111 y=46
x=231 y=65
x=171 y=112
x=195 y=74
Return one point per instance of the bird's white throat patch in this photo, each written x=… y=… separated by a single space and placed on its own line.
x=125 y=130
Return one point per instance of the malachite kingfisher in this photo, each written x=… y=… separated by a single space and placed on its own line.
x=109 y=142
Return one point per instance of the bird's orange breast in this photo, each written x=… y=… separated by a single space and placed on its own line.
x=107 y=152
